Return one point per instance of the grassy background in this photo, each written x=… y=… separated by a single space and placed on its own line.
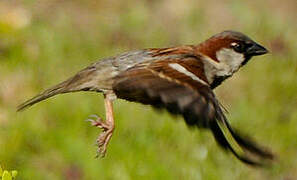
x=43 y=42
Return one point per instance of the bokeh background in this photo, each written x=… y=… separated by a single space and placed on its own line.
x=43 y=42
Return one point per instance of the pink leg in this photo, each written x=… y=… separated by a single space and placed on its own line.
x=107 y=126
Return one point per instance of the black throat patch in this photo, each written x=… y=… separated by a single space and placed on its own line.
x=217 y=81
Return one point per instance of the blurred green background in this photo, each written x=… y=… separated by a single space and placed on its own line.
x=43 y=42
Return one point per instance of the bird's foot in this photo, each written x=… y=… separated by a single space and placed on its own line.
x=105 y=136
x=98 y=122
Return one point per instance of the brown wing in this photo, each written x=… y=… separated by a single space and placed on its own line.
x=179 y=85
x=160 y=85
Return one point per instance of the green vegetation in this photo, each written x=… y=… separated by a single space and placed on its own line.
x=7 y=175
x=45 y=42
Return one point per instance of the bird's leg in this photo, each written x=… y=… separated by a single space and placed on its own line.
x=107 y=126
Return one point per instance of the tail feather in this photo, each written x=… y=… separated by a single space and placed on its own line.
x=58 y=89
x=82 y=81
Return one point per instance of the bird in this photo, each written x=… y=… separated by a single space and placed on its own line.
x=178 y=79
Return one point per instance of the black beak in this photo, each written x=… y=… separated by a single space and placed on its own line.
x=256 y=50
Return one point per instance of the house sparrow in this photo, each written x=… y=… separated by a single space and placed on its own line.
x=178 y=79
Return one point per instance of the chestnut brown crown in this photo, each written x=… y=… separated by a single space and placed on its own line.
x=237 y=41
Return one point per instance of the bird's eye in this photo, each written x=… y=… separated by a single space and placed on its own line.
x=238 y=47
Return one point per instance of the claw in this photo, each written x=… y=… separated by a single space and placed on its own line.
x=102 y=142
x=96 y=121
x=94 y=116
x=93 y=122
x=107 y=126
x=89 y=120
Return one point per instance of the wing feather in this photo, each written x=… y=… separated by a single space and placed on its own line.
x=162 y=86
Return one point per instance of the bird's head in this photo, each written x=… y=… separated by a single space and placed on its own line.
x=231 y=48
x=227 y=52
